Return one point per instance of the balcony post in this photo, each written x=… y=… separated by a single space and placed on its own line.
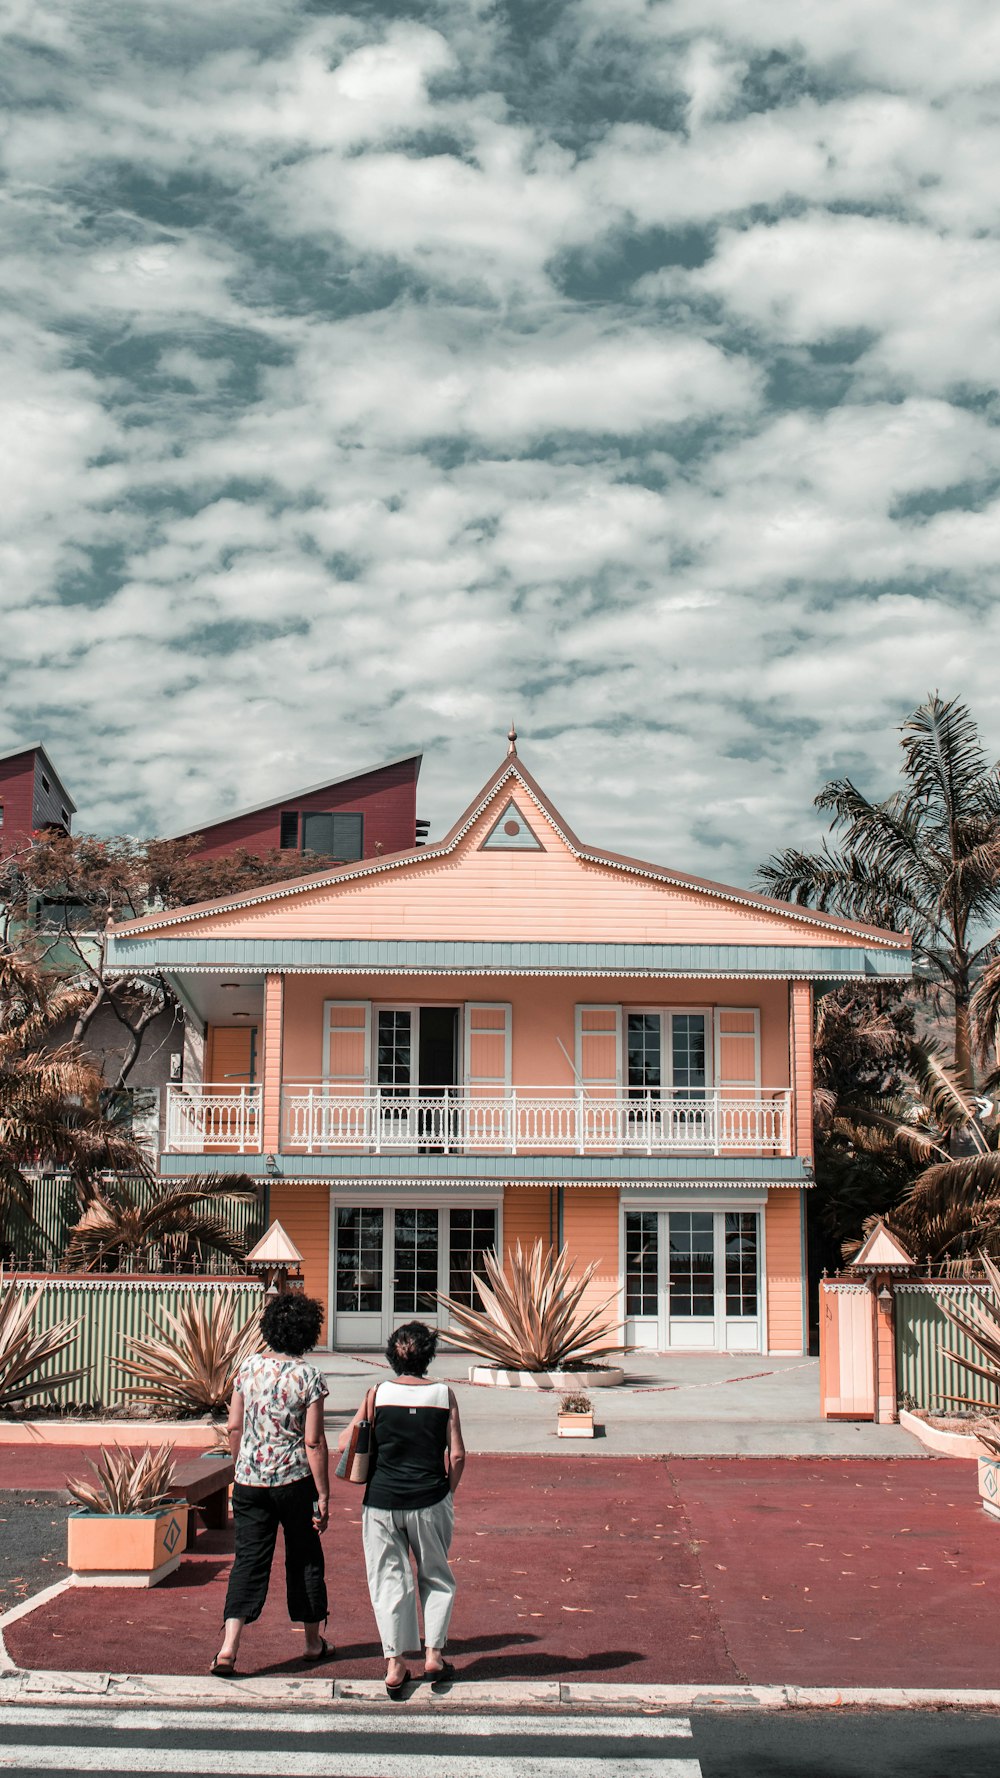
x=270 y=1091
x=513 y=1120
x=800 y=1047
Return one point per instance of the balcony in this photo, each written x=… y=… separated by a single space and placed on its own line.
x=330 y=1118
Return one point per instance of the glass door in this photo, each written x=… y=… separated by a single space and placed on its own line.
x=358 y=1286
x=415 y=1264
x=692 y=1280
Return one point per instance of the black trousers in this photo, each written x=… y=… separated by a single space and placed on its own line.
x=257 y=1513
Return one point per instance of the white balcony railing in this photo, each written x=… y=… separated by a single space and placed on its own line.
x=213 y=1119
x=326 y=1117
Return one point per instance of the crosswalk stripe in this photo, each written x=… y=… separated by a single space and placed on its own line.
x=302 y=1763
x=123 y=1721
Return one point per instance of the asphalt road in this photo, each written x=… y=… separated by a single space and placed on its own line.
x=304 y=1744
x=32 y=1543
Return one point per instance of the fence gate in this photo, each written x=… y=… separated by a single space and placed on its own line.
x=846 y=1350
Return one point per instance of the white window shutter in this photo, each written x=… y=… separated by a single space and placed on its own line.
x=487 y=1046
x=599 y=1050
x=347 y=1043
x=737 y=1051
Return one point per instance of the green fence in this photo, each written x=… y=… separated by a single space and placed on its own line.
x=43 y=1237
x=925 y=1375
x=108 y=1310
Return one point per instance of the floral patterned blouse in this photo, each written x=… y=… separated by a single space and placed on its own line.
x=276 y=1392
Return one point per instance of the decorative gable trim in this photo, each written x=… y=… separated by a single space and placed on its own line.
x=511 y=771
x=511 y=832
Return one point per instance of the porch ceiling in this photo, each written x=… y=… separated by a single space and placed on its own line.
x=214 y=1002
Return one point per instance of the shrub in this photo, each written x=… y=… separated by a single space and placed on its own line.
x=188 y=1362
x=23 y=1352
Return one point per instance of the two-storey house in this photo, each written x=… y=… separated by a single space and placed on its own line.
x=512 y=1034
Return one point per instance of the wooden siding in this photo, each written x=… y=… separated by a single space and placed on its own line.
x=549 y=895
x=304 y=1214
x=801 y=1062
x=543 y=1020
x=783 y=1237
x=590 y=1231
x=386 y=799
x=17 y=800
x=528 y=1216
x=271 y=1063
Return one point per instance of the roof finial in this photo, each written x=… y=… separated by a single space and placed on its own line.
x=512 y=741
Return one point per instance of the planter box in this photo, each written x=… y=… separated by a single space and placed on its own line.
x=575 y=1425
x=989 y=1485
x=191 y=1434
x=130 y=1550
x=566 y=1381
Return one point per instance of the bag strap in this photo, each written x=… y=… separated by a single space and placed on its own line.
x=368 y=1406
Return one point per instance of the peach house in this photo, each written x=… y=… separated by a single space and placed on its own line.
x=511 y=1034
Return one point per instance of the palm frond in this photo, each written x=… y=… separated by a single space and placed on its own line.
x=189 y=1361
x=127 y=1481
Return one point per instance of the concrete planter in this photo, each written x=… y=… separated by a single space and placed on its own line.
x=989 y=1485
x=126 y=1550
x=939 y=1438
x=575 y=1425
x=582 y=1381
x=192 y=1435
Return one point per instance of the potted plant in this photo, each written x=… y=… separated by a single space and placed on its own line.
x=576 y=1417
x=129 y=1530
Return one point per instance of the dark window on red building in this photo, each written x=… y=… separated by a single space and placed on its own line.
x=333 y=836
x=289 y=829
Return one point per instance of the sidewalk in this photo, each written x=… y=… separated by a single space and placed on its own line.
x=671 y=1404
x=631 y=1570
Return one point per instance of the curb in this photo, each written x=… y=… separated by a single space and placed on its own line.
x=117 y=1690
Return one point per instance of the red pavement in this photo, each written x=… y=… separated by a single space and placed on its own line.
x=639 y=1570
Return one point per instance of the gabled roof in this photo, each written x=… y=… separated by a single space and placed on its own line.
x=275 y=1249
x=512 y=771
x=882 y=1251
x=291 y=796
x=36 y=747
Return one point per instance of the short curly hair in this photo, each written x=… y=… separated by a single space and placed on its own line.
x=411 y=1348
x=291 y=1324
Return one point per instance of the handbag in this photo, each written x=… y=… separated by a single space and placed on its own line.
x=356 y=1455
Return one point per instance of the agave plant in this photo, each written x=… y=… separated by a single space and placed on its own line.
x=23 y=1352
x=127 y=1481
x=536 y=1319
x=188 y=1362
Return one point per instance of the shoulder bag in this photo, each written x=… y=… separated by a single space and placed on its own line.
x=356 y=1455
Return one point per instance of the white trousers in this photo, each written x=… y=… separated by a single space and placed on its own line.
x=389 y=1540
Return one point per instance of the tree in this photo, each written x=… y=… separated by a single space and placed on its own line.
x=121 y=1227
x=67 y=889
x=925 y=860
x=51 y=1108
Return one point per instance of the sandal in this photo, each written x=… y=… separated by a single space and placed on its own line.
x=324 y=1654
x=440 y=1675
x=396 y=1691
x=223 y=1668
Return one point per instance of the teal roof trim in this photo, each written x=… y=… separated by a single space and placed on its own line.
x=359 y=956
x=557 y=1169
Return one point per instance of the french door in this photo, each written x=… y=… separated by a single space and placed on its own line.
x=389 y=1259
x=692 y=1280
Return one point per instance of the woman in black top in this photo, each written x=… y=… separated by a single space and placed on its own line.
x=416 y=1465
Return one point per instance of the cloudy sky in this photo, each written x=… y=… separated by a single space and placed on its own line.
x=375 y=372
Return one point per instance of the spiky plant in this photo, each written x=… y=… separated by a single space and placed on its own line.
x=23 y=1352
x=535 y=1318
x=980 y=1324
x=127 y=1481
x=118 y=1228
x=188 y=1362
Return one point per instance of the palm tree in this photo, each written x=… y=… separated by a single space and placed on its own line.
x=51 y=1109
x=925 y=860
x=124 y=1226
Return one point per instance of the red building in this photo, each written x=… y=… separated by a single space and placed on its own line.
x=32 y=797
x=360 y=816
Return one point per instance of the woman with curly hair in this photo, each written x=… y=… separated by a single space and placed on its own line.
x=278 y=1441
x=416 y=1465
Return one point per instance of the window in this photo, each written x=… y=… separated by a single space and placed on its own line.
x=1 y=814
x=393 y=1054
x=289 y=830
x=741 y=1262
x=46 y=786
x=682 y=1036
x=692 y=1263
x=641 y=1261
x=359 y=1261
x=471 y=1232
x=333 y=836
x=643 y=1048
x=65 y=817
x=416 y=1257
